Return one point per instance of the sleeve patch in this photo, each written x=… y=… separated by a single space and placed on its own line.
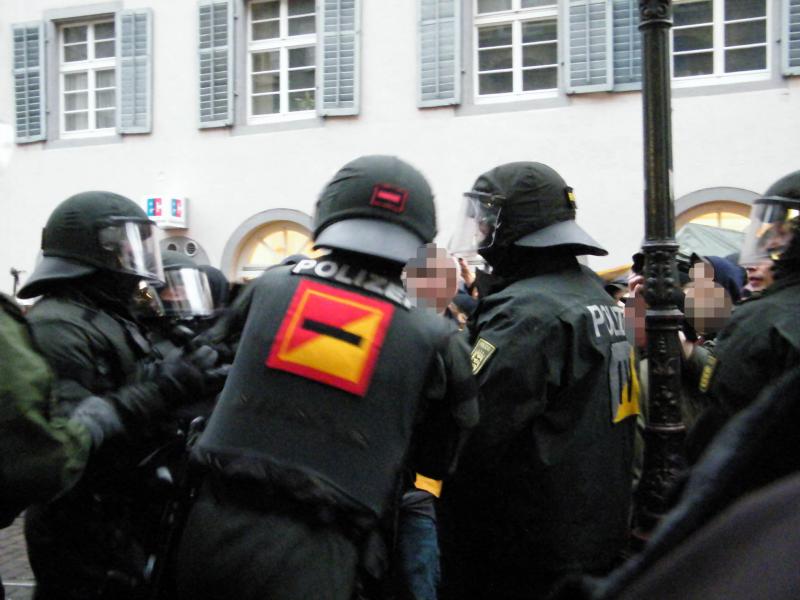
x=481 y=354
x=708 y=372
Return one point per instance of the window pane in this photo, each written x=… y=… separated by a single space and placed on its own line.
x=302 y=25
x=266 y=82
x=266 y=30
x=266 y=105
x=104 y=31
x=301 y=7
x=105 y=99
x=692 y=13
x=530 y=3
x=104 y=79
x=745 y=59
x=265 y=61
x=485 y=6
x=538 y=31
x=490 y=60
x=75 y=81
x=540 y=79
x=694 y=64
x=693 y=38
x=105 y=118
x=300 y=80
x=301 y=57
x=499 y=35
x=495 y=83
x=75 y=34
x=266 y=10
x=103 y=49
x=540 y=54
x=77 y=101
x=742 y=34
x=302 y=101
x=73 y=53
x=76 y=121
x=744 y=9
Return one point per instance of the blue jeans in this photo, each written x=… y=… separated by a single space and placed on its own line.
x=418 y=555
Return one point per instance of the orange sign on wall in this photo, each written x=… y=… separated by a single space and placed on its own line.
x=331 y=335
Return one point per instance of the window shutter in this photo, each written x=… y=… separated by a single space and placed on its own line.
x=791 y=37
x=339 y=64
x=627 y=45
x=216 y=63
x=29 y=119
x=134 y=75
x=590 y=40
x=439 y=52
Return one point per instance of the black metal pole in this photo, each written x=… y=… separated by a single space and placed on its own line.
x=664 y=432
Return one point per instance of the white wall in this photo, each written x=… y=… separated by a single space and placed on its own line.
x=745 y=140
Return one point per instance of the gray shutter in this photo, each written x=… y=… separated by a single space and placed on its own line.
x=339 y=64
x=791 y=37
x=29 y=118
x=134 y=74
x=439 y=52
x=216 y=63
x=627 y=45
x=590 y=38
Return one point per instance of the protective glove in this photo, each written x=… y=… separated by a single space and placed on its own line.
x=184 y=376
x=99 y=417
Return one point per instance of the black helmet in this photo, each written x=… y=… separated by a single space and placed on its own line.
x=774 y=222
x=376 y=205
x=521 y=204
x=95 y=231
x=186 y=293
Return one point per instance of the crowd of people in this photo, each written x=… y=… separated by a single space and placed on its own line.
x=380 y=420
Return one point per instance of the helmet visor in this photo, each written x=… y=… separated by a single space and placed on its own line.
x=186 y=294
x=134 y=248
x=480 y=218
x=769 y=234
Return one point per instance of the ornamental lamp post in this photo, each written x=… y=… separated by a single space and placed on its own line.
x=664 y=432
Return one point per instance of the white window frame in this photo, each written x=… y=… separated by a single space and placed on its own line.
x=283 y=43
x=718 y=52
x=90 y=66
x=516 y=16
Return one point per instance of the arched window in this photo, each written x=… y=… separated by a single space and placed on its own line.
x=270 y=244
x=724 y=207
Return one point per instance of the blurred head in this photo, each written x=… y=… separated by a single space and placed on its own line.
x=431 y=278
x=376 y=205
x=708 y=304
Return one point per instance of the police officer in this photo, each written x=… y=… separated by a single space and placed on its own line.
x=97 y=247
x=544 y=483
x=334 y=374
x=762 y=339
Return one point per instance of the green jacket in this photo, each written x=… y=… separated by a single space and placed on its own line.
x=40 y=456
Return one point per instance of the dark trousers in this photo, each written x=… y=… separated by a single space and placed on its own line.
x=230 y=550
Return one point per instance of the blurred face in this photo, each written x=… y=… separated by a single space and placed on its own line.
x=708 y=305
x=432 y=278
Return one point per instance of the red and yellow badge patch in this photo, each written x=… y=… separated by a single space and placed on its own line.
x=332 y=336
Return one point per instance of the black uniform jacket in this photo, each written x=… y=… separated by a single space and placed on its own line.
x=545 y=480
x=333 y=377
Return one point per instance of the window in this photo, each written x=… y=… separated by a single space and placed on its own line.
x=281 y=59
x=516 y=47
x=724 y=214
x=270 y=244
x=712 y=38
x=88 y=79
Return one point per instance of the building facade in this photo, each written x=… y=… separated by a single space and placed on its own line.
x=236 y=112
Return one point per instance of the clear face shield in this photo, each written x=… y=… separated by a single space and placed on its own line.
x=187 y=294
x=480 y=218
x=134 y=245
x=770 y=232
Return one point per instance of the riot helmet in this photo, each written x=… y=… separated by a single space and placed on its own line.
x=96 y=231
x=185 y=293
x=525 y=204
x=376 y=205
x=774 y=221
